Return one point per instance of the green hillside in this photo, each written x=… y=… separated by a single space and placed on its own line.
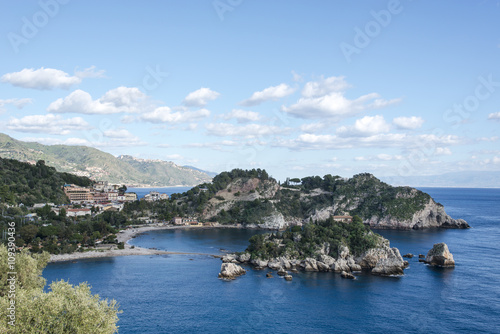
x=29 y=184
x=98 y=165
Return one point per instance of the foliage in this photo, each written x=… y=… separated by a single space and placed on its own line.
x=65 y=309
x=28 y=184
x=308 y=242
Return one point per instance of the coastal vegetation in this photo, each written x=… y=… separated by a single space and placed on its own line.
x=26 y=308
x=309 y=241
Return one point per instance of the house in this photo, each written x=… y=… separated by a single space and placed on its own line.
x=154 y=196
x=177 y=220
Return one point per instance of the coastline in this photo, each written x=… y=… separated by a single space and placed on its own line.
x=125 y=236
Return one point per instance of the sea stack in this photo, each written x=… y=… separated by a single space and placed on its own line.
x=231 y=271
x=440 y=256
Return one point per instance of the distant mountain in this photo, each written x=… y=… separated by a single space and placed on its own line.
x=212 y=174
x=455 y=179
x=98 y=165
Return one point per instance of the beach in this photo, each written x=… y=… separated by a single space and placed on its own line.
x=122 y=236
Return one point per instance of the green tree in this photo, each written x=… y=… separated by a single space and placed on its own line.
x=28 y=232
x=64 y=309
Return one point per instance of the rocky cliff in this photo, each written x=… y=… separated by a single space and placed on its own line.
x=252 y=198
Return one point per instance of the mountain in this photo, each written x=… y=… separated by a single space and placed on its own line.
x=254 y=198
x=98 y=165
x=470 y=179
x=211 y=174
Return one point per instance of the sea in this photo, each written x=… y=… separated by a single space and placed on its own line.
x=182 y=294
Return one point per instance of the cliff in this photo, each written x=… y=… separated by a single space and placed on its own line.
x=254 y=199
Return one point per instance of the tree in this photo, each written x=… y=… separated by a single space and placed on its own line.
x=65 y=309
x=28 y=232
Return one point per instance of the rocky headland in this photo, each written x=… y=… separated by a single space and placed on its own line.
x=253 y=199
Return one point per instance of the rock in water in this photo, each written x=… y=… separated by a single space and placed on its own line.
x=231 y=271
x=288 y=277
x=269 y=275
x=392 y=265
x=345 y=274
x=440 y=256
x=282 y=272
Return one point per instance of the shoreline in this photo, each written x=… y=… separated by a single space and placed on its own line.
x=125 y=236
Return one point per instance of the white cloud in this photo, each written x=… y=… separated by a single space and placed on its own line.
x=494 y=116
x=408 y=123
x=18 y=103
x=118 y=100
x=243 y=116
x=165 y=115
x=442 y=151
x=313 y=127
x=200 y=97
x=269 y=94
x=42 y=78
x=364 y=127
x=118 y=133
x=382 y=140
x=52 y=124
x=335 y=106
x=249 y=130
x=324 y=86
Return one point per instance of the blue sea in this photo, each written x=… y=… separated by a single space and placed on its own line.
x=182 y=294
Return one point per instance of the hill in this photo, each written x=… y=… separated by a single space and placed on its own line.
x=29 y=184
x=98 y=165
x=253 y=198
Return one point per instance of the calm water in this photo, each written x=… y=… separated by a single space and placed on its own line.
x=181 y=293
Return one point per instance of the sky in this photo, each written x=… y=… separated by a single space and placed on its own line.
x=299 y=88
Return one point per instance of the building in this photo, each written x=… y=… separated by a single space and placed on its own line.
x=177 y=221
x=77 y=212
x=77 y=194
x=154 y=196
x=100 y=197
x=113 y=196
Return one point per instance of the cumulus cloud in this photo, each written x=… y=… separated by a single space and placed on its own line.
x=380 y=157
x=51 y=124
x=42 y=78
x=249 y=130
x=165 y=115
x=325 y=99
x=243 y=116
x=442 y=151
x=364 y=127
x=18 y=103
x=200 y=97
x=408 y=123
x=269 y=94
x=494 y=116
x=313 y=127
x=118 y=100
x=324 y=86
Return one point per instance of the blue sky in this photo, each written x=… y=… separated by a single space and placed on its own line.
x=299 y=88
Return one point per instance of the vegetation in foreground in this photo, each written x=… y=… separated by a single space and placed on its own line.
x=302 y=242
x=64 y=309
